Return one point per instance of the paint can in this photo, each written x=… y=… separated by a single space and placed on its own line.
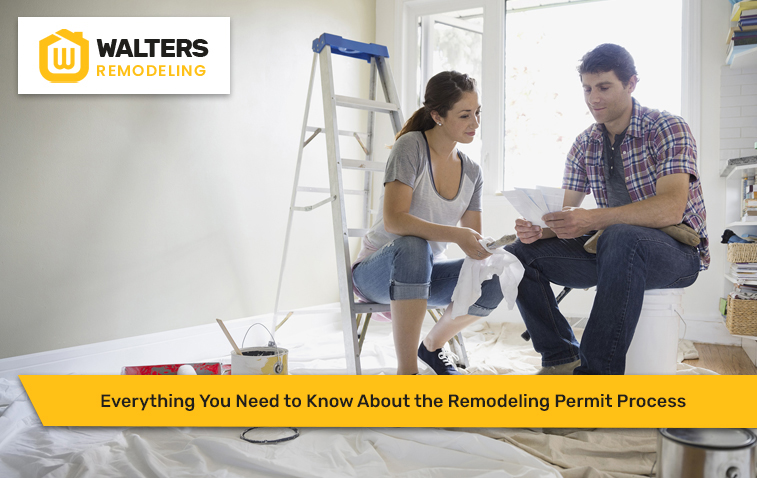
x=654 y=347
x=705 y=453
x=269 y=360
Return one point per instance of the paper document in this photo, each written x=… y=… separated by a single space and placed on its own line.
x=532 y=204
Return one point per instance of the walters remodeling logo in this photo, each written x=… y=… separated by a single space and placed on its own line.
x=69 y=61
x=152 y=47
x=120 y=55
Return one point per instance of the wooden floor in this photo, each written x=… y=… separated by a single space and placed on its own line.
x=723 y=359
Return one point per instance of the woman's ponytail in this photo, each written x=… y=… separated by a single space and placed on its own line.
x=420 y=121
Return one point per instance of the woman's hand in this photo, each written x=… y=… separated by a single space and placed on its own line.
x=468 y=239
x=527 y=232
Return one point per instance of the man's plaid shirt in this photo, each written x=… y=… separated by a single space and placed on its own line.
x=656 y=144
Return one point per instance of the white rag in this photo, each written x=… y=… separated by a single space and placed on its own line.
x=474 y=272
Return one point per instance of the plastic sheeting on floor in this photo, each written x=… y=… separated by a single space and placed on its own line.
x=27 y=449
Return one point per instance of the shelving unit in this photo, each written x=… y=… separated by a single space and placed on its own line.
x=745 y=56
x=733 y=173
x=745 y=59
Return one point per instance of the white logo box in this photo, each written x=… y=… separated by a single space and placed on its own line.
x=209 y=74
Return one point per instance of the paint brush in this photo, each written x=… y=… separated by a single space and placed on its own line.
x=228 y=336
x=502 y=241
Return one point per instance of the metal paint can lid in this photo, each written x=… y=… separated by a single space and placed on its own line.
x=712 y=438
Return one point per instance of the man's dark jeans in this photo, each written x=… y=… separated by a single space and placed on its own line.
x=629 y=260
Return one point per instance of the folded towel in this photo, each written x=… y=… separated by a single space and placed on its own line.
x=474 y=272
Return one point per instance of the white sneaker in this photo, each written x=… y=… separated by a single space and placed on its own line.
x=562 y=369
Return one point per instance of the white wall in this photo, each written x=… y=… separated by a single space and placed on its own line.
x=127 y=215
x=701 y=300
x=738 y=112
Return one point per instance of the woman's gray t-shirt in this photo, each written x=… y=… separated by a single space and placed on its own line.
x=409 y=163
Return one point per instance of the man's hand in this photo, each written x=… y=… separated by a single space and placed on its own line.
x=527 y=233
x=570 y=223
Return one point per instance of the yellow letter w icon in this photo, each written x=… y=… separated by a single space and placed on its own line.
x=63 y=63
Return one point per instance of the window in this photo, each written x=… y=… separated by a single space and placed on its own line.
x=532 y=103
x=452 y=41
x=545 y=109
x=454 y=34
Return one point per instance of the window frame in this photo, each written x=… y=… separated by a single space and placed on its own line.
x=493 y=73
x=428 y=22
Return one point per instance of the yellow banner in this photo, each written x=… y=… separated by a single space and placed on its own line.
x=686 y=401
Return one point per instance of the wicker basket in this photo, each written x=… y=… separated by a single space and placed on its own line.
x=741 y=252
x=741 y=317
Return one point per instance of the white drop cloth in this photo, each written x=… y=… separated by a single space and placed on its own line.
x=474 y=272
x=585 y=453
x=29 y=450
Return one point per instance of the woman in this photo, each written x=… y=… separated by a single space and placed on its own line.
x=429 y=187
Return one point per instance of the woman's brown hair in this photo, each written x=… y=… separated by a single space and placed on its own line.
x=442 y=92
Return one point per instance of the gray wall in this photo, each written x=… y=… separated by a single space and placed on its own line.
x=127 y=215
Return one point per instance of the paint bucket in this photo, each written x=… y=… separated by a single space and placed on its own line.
x=654 y=347
x=270 y=360
x=705 y=453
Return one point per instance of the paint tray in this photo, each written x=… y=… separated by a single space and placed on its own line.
x=204 y=368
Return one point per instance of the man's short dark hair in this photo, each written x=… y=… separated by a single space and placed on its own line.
x=609 y=57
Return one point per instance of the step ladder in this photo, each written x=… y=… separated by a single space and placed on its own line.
x=376 y=55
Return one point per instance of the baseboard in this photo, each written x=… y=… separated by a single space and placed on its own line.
x=707 y=329
x=750 y=347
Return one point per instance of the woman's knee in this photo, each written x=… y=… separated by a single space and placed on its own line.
x=413 y=260
x=412 y=249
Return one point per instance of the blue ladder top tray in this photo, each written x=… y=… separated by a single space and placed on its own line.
x=354 y=49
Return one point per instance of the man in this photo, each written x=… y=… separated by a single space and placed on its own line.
x=640 y=164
